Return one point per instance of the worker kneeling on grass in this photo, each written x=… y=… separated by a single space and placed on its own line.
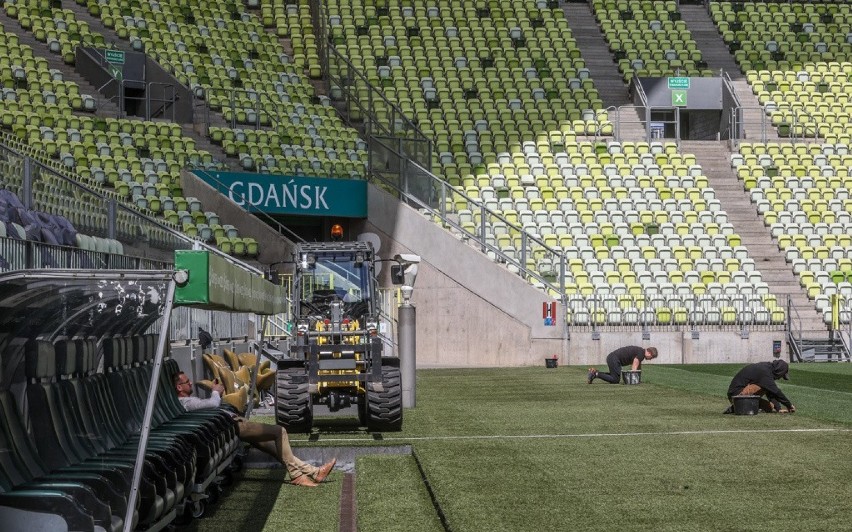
x=631 y=355
x=759 y=379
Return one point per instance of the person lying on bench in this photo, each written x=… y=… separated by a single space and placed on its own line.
x=271 y=439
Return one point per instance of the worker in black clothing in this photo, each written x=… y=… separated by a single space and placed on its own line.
x=631 y=355
x=759 y=379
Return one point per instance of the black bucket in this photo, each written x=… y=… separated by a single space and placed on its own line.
x=631 y=376
x=746 y=405
x=550 y=362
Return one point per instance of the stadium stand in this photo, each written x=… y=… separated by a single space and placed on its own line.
x=478 y=81
x=228 y=59
x=796 y=59
x=139 y=160
x=58 y=28
x=642 y=235
x=803 y=194
x=649 y=39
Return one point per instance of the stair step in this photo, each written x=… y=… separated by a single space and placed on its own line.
x=775 y=271
x=595 y=52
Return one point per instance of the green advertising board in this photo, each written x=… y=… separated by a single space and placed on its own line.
x=242 y=291
x=216 y=284
x=281 y=194
x=679 y=98
x=211 y=280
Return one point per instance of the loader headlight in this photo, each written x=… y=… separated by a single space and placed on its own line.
x=372 y=325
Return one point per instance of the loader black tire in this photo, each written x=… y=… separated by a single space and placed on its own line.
x=383 y=410
x=293 y=405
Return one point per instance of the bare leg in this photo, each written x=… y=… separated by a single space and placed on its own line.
x=273 y=440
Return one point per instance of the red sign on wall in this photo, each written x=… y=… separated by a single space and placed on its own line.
x=548 y=313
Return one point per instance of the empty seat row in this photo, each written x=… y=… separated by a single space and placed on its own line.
x=78 y=436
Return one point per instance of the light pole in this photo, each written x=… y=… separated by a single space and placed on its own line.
x=407 y=316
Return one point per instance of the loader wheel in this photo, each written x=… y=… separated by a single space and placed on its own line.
x=362 y=411
x=384 y=409
x=293 y=406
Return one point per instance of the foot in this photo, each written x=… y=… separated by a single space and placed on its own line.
x=303 y=481
x=592 y=374
x=729 y=410
x=324 y=470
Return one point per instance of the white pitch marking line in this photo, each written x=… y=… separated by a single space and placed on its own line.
x=590 y=435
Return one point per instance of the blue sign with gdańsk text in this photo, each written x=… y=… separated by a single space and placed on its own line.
x=280 y=194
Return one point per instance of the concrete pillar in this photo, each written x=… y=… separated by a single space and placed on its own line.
x=408 y=352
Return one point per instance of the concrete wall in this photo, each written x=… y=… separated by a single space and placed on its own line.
x=273 y=247
x=472 y=312
x=678 y=347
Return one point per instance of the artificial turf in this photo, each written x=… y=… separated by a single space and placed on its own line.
x=519 y=449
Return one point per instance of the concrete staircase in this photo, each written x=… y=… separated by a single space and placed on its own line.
x=714 y=158
x=707 y=37
x=719 y=58
x=604 y=70
x=823 y=350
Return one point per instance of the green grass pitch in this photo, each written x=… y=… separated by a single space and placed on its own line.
x=536 y=449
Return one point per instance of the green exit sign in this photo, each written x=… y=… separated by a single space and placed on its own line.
x=115 y=57
x=679 y=83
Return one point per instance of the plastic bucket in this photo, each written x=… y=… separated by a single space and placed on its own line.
x=550 y=362
x=746 y=405
x=631 y=376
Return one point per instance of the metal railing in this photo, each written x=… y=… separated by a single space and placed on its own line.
x=845 y=335
x=47 y=188
x=158 y=107
x=794 y=330
x=379 y=117
x=260 y=110
x=423 y=190
x=797 y=130
x=120 y=98
x=687 y=312
x=657 y=134
x=621 y=120
x=184 y=323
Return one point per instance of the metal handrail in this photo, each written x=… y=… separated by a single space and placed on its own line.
x=640 y=91
x=737 y=124
x=259 y=98
x=675 y=121
x=726 y=79
x=846 y=336
x=794 y=340
x=621 y=121
x=374 y=127
x=140 y=216
x=526 y=239
x=164 y=100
